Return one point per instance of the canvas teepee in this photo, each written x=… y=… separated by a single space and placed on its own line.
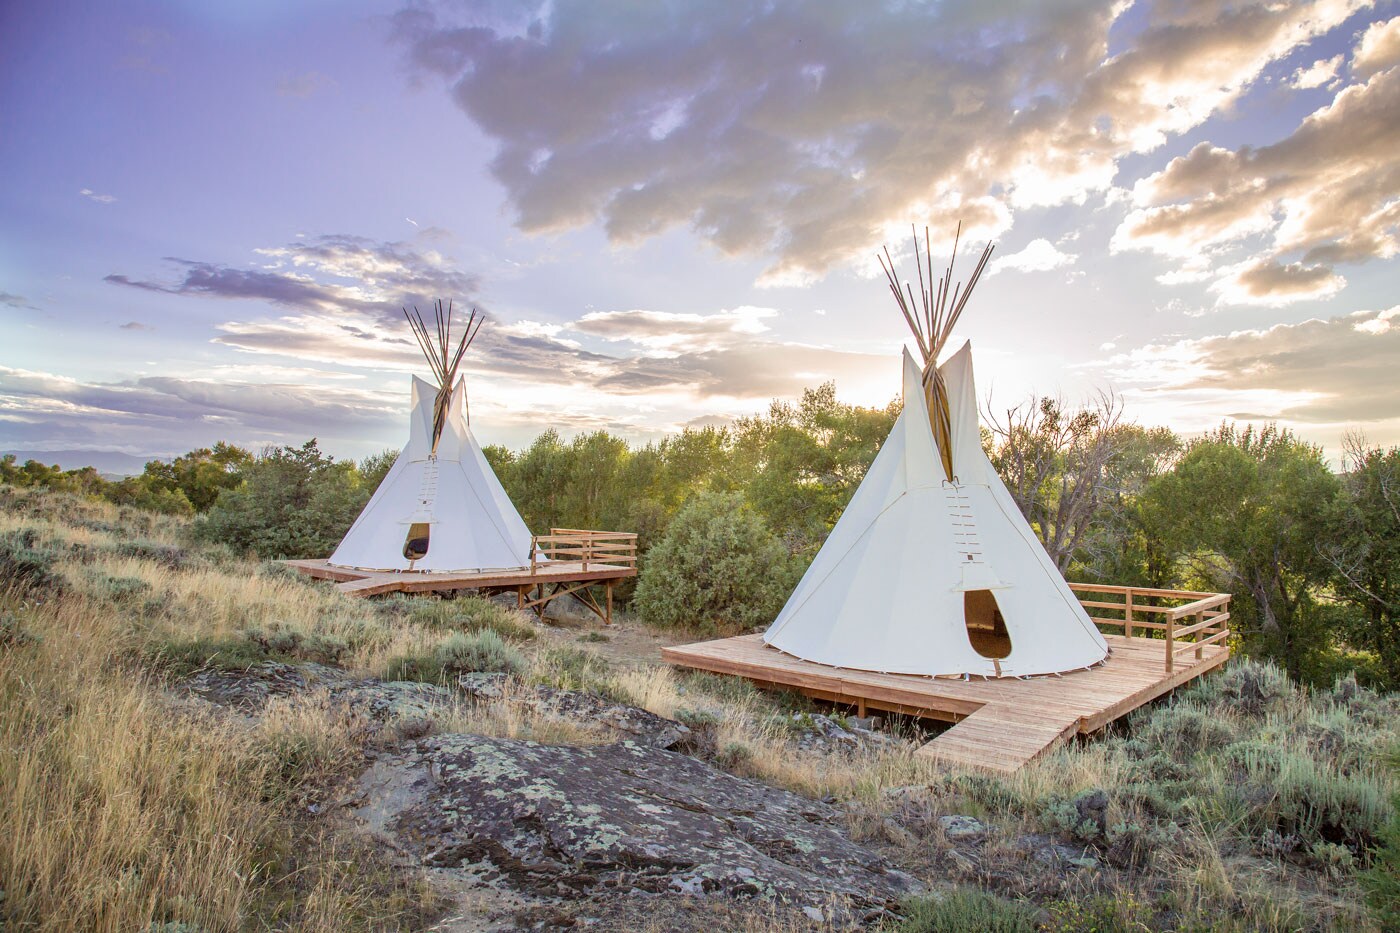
x=932 y=569
x=440 y=507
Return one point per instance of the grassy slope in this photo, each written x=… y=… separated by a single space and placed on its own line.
x=1245 y=804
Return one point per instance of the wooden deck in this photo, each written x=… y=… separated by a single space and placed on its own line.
x=1001 y=724
x=566 y=562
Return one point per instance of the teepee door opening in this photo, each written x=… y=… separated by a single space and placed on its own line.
x=415 y=546
x=986 y=629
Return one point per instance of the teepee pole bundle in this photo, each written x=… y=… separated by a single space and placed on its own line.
x=444 y=357
x=931 y=322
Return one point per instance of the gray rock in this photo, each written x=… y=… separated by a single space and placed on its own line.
x=962 y=828
x=629 y=722
x=898 y=834
x=1092 y=807
x=1046 y=850
x=823 y=733
x=571 y=821
x=249 y=690
x=401 y=700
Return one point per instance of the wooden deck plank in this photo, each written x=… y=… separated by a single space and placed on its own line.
x=1001 y=723
x=369 y=583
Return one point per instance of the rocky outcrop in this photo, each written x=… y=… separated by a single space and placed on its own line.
x=616 y=819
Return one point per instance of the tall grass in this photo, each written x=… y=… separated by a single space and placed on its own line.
x=121 y=808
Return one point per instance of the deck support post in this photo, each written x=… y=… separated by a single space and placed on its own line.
x=608 y=587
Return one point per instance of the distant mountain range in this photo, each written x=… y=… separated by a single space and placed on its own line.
x=107 y=462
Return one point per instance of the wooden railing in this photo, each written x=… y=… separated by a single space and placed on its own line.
x=579 y=545
x=1205 y=614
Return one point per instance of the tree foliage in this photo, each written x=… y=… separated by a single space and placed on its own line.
x=1312 y=557
x=717 y=569
x=1363 y=553
x=293 y=502
x=1245 y=510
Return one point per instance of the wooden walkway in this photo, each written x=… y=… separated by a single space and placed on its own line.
x=535 y=587
x=566 y=562
x=1001 y=724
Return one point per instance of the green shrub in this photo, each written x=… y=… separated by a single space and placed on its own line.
x=470 y=614
x=459 y=654
x=114 y=589
x=734 y=756
x=1293 y=796
x=167 y=555
x=304 y=646
x=1382 y=880
x=963 y=910
x=1102 y=913
x=14 y=634
x=480 y=651
x=716 y=569
x=1182 y=731
x=574 y=669
x=26 y=566
x=182 y=656
x=1250 y=686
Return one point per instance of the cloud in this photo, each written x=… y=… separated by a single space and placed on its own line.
x=16 y=301
x=1378 y=50
x=1324 y=195
x=1265 y=282
x=304 y=85
x=1320 y=73
x=99 y=198
x=1335 y=371
x=329 y=273
x=1040 y=255
x=343 y=296
x=668 y=331
x=709 y=356
x=807 y=134
x=134 y=325
x=175 y=413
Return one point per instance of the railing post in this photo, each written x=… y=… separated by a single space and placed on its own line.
x=1171 y=641
x=1200 y=617
x=1128 y=615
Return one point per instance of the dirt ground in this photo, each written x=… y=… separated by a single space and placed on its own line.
x=625 y=644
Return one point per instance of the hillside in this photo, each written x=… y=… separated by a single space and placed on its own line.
x=192 y=740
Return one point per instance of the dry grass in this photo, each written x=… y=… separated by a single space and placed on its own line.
x=120 y=809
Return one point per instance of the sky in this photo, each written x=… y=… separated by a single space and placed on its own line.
x=211 y=214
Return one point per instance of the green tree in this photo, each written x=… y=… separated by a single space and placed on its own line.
x=1246 y=510
x=375 y=467
x=716 y=569
x=199 y=475
x=1121 y=543
x=1363 y=552
x=800 y=465
x=293 y=502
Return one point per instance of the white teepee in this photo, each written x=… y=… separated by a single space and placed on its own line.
x=440 y=508
x=932 y=542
